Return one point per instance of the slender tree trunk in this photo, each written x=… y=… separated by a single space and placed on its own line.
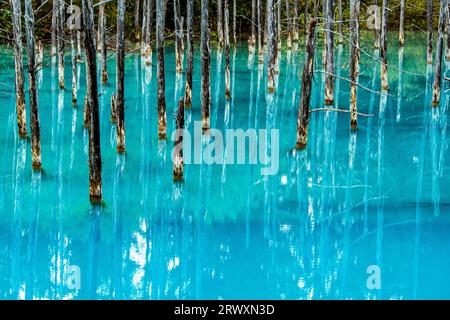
x=120 y=80
x=178 y=36
x=137 y=18
x=220 y=32
x=271 y=47
x=205 y=61
x=354 y=30
x=144 y=26
x=279 y=26
x=104 y=48
x=308 y=69
x=447 y=33
x=33 y=95
x=227 y=52
x=55 y=12
x=73 y=53
x=341 y=36
x=429 y=31
x=401 y=31
x=113 y=109
x=178 y=148
x=160 y=24
x=289 y=24
x=296 y=20
x=439 y=51
x=95 y=158
x=234 y=23
x=260 y=34
x=61 y=45
x=376 y=30
x=306 y=15
x=190 y=53
x=383 y=47
x=18 y=59
x=252 y=40
x=147 y=31
x=78 y=45
x=329 y=80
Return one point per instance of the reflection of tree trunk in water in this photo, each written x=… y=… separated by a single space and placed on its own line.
x=303 y=111
x=438 y=61
x=120 y=80
x=383 y=47
x=19 y=75
x=103 y=47
x=400 y=83
x=61 y=40
x=329 y=83
x=401 y=32
x=95 y=159
x=160 y=24
x=354 y=61
x=271 y=47
x=190 y=53
x=227 y=52
x=33 y=95
x=205 y=66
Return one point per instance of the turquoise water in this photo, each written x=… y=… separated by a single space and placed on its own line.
x=350 y=201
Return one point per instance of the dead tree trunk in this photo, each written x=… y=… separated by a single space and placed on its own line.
x=178 y=148
x=160 y=23
x=137 y=17
x=429 y=31
x=61 y=44
x=383 y=47
x=376 y=30
x=252 y=40
x=447 y=33
x=120 y=80
x=205 y=61
x=341 y=36
x=73 y=54
x=329 y=81
x=271 y=47
x=234 y=23
x=308 y=69
x=306 y=15
x=260 y=34
x=104 y=44
x=33 y=95
x=278 y=26
x=144 y=26
x=178 y=36
x=190 y=53
x=95 y=158
x=439 y=50
x=401 y=31
x=295 y=20
x=147 y=31
x=354 y=30
x=227 y=52
x=220 y=31
x=16 y=14
x=289 y=24
x=55 y=12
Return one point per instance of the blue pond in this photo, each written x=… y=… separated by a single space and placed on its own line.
x=353 y=210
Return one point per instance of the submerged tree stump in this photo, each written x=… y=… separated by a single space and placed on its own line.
x=308 y=69
x=16 y=14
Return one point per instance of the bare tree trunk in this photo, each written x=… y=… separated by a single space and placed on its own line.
x=178 y=148
x=279 y=25
x=252 y=40
x=146 y=31
x=271 y=47
x=234 y=23
x=227 y=52
x=308 y=71
x=145 y=5
x=33 y=95
x=160 y=23
x=55 y=12
x=137 y=18
x=18 y=59
x=329 y=81
x=354 y=61
x=95 y=158
x=190 y=53
x=78 y=45
x=220 y=34
x=104 y=49
x=61 y=45
x=439 y=50
x=383 y=47
x=73 y=53
x=289 y=24
x=120 y=80
x=447 y=33
x=178 y=36
x=306 y=15
x=205 y=61
x=113 y=109
x=376 y=30
x=296 y=20
x=429 y=31
x=401 y=32
x=260 y=34
x=341 y=36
